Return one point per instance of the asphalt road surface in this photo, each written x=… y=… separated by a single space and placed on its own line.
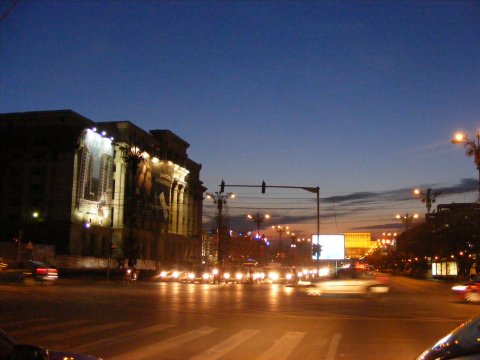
x=146 y=320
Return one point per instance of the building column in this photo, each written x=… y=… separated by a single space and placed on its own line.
x=181 y=211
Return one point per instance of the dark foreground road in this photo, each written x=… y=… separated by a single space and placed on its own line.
x=192 y=321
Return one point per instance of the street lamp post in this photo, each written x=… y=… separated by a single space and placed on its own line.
x=133 y=157
x=258 y=220
x=428 y=197
x=280 y=230
x=406 y=220
x=472 y=149
x=220 y=199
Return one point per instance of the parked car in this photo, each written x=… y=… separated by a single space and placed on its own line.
x=352 y=281
x=461 y=343
x=11 y=349
x=470 y=291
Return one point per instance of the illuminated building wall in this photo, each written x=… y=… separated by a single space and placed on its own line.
x=74 y=177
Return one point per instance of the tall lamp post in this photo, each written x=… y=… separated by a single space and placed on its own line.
x=428 y=197
x=472 y=149
x=220 y=199
x=133 y=157
x=280 y=230
x=406 y=220
x=258 y=220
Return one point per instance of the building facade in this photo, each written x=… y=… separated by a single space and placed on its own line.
x=99 y=189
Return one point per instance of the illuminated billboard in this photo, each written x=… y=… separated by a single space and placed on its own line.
x=154 y=181
x=332 y=247
x=93 y=193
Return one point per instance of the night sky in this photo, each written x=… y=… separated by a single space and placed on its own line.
x=358 y=98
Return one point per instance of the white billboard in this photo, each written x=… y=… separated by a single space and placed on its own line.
x=332 y=247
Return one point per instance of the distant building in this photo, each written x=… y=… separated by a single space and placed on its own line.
x=357 y=244
x=99 y=186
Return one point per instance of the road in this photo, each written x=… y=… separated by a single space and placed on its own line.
x=148 y=320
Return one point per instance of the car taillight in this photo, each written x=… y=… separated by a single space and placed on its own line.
x=41 y=271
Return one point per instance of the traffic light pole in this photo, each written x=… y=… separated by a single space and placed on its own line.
x=263 y=186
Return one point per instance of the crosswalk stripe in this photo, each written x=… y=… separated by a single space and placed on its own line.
x=32 y=329
x=119 y=338
x=80 y=332
x=226 y=345
x=154 y=349
x=332 y=349
x=283 y=347
x=21 y=323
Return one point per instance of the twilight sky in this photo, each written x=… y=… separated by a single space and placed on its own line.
x=359 y=98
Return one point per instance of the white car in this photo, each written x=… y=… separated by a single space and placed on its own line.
x=351 y=281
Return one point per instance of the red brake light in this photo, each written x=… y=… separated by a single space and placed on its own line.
x=41 y=271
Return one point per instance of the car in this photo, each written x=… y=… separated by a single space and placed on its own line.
x=39 y=271
x=235 y=275
x=29 y=272
x=200 y=274
x=469 y=292
x=282 y=275
x=169 y=275
x=461 y=343
x=11 y=349
x=351 y=281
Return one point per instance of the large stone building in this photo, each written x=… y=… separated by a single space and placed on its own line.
x=99 y=187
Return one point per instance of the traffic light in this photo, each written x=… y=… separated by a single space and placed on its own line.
x=222 y=186
x=263 y=187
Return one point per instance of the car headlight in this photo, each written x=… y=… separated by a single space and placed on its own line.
x=163 y=274
x=176 y=274
x=459 y=288
x=226 y=275
x=191 y=276
x=288 y=276
x=273 y=276
x=239 y=276
x=206 y=276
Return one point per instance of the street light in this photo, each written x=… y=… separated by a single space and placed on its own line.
x=258 y=220
x=220 y=199
x=280 y=230
x=428 y=197
x=472 y=149
x=406 y=220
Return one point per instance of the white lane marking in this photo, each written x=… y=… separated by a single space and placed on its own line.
x=332 y=349
x=283 y=347
x=86 y=347
x=220 y=349
x=155 y=349
x=80 y=332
